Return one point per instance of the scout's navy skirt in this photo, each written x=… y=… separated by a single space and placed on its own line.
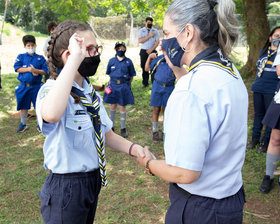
x=121 y=94
x=193 y=209
x=70 y=198
x=272 y=115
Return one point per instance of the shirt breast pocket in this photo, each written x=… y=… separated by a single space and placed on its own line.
x=124 y=71
x=79 y=130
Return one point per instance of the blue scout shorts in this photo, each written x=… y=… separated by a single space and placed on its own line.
x=194 y=209
x=160 y=94
x=26 y=94
x=70 y=198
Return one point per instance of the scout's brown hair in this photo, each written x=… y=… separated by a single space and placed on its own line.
x=51 y=26
x=28 y=38
x=60 y=42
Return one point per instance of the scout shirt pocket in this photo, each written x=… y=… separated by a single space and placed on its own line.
x=80 y=129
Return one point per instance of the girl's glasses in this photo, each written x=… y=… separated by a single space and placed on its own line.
x=94 y=50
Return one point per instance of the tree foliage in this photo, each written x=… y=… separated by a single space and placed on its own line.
x=139 y=8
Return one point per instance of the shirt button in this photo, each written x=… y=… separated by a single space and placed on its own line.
x=79 y=128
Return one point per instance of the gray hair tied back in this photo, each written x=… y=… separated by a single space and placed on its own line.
x=216 y=26
x=212 y=4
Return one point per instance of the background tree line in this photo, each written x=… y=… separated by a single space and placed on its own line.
x=35 y=14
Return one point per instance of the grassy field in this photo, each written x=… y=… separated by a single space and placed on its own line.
x=131 y=196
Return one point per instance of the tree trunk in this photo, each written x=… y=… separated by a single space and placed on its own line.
x=33 y=22
x=257 y=30
x=131 y=36
x=5 y=13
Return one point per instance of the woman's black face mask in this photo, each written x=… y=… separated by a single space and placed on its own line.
x=89 y=66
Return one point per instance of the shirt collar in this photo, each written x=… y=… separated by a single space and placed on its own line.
x=86 y=89
x=30 y=55
x=213 y=56
x=204 y=54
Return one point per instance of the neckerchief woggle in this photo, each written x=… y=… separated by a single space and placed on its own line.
x=93 y=110
x=212 y=56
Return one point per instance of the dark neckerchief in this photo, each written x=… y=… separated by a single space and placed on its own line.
x=95 y=99
x=212 y=56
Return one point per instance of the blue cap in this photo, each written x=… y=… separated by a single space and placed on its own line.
x=119 y=43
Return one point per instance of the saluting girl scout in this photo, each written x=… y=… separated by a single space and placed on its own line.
x=121 y=72
x=74 y=120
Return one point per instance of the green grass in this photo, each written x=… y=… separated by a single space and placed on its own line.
x=131 y=196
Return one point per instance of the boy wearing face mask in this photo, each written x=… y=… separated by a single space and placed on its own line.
x=31 y=68
x=121 y=71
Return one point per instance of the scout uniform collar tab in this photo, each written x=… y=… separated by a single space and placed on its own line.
x=212 y=56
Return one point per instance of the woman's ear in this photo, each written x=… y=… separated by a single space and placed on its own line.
x=189 y=32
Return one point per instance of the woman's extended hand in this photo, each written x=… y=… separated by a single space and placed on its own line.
x=138 y=151
x=148 y=155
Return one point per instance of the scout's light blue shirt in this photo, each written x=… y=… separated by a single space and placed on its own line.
x=70 y=144
x=123 y=70
x=24 y=61
x=143 y=32
x=205 y=127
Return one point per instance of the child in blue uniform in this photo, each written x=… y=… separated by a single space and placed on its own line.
x=121 y=72
x=163 y=86
x=31 y=68
x=264 y=88
x=71 y=115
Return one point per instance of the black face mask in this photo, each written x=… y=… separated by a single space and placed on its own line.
x=149 y=25
x=89 y=66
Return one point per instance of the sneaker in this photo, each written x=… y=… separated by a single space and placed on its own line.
x=38 y=128
x=156 y=137
x=124 y=133
x=263 y=147
x=252 y=144
x=267 y=184
x=22 y=127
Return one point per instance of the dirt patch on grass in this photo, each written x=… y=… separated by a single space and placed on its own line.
x=265 y=213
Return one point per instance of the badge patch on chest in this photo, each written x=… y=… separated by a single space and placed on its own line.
x=80 y=112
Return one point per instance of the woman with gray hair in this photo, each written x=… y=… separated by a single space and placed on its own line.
x=206 y=116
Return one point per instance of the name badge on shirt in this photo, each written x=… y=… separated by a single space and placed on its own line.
x=80 y=112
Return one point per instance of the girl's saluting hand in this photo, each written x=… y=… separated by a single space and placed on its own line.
x=77 y=46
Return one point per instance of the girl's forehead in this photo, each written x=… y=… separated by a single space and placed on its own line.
x=88 y=36
x=276 y=32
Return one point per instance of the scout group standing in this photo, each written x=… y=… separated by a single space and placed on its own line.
x=205 y=114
